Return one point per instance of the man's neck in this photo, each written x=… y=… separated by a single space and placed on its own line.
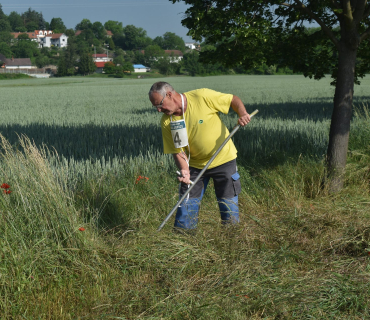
x=185 y=102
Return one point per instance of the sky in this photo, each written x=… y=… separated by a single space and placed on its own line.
x=156 y=17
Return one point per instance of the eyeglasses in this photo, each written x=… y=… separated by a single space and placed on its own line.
x=160 y=105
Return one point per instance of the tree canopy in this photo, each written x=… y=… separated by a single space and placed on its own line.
x=114 y=26
x=57 y=25
x=170 y=41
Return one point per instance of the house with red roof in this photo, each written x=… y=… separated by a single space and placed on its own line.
x=100 y=59
x=175 y=55
x=45 y=38
x=31 y=35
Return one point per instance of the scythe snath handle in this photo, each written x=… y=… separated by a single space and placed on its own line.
x=236 y=128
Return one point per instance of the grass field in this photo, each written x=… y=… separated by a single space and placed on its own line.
x=78 y=235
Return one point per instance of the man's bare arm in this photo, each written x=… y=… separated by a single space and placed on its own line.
x=239 y=108
x=182 y=164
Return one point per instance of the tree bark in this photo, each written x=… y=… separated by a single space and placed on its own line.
x=341 y=117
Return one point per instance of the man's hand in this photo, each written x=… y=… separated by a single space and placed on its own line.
x=185 y=176
x=243 y=120
x=182 y=164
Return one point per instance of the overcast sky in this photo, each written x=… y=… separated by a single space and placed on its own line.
x=155 y=16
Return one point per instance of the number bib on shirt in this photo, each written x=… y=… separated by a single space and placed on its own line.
x=179 y=134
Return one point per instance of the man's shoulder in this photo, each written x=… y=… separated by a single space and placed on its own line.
x=200 y=92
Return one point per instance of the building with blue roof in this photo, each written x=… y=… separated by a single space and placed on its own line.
x=140 y=68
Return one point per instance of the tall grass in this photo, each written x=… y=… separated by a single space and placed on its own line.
x=298 y=253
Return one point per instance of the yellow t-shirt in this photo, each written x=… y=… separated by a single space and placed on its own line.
x=206 y=132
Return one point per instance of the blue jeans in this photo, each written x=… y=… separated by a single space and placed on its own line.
x=187 y=212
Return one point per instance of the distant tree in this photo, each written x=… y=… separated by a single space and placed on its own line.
x=70 y=33
x=127 y=67
x=69 y=56
x=109 y=68
x=62 y=67
x=152 y=54
x=98 y=30
x=159 y=41
x=16 y=22
x=192 y=65
x=98 y=45
x=135 y=38
x=86 y=64
x=138 y=57
x=32 y=26
x=86 y=38
x=130 y=56
x=5 y=25
x=21 y=29
x=119 y=40
x=25 y=48
x=165 y=66
x=5 y=49
x=42 y=23
x=119 y=60
x=57 y=25
x=114 y=26
x=111 y=44
x=33 y=20
x=6 y=37
x=171 y=41
x=2 y=14
x=41 y=61
x=23 y=36
x=85 y=24
x=119 y=52
x=45 y=51
x=154 y=51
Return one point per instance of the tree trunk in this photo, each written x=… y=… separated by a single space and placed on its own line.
x=341 y=117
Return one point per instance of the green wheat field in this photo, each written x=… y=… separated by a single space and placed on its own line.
x=85 y=185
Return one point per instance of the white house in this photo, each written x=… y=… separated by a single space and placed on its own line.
x=37 y=36
x=192 y=45
x=59 y=40
x=140 y=68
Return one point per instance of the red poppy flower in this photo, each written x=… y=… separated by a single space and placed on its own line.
x=81 y=229
x=5 y=186
x=141 y=178
x=7 y=191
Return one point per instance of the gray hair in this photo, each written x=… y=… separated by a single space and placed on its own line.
x=161 y=87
